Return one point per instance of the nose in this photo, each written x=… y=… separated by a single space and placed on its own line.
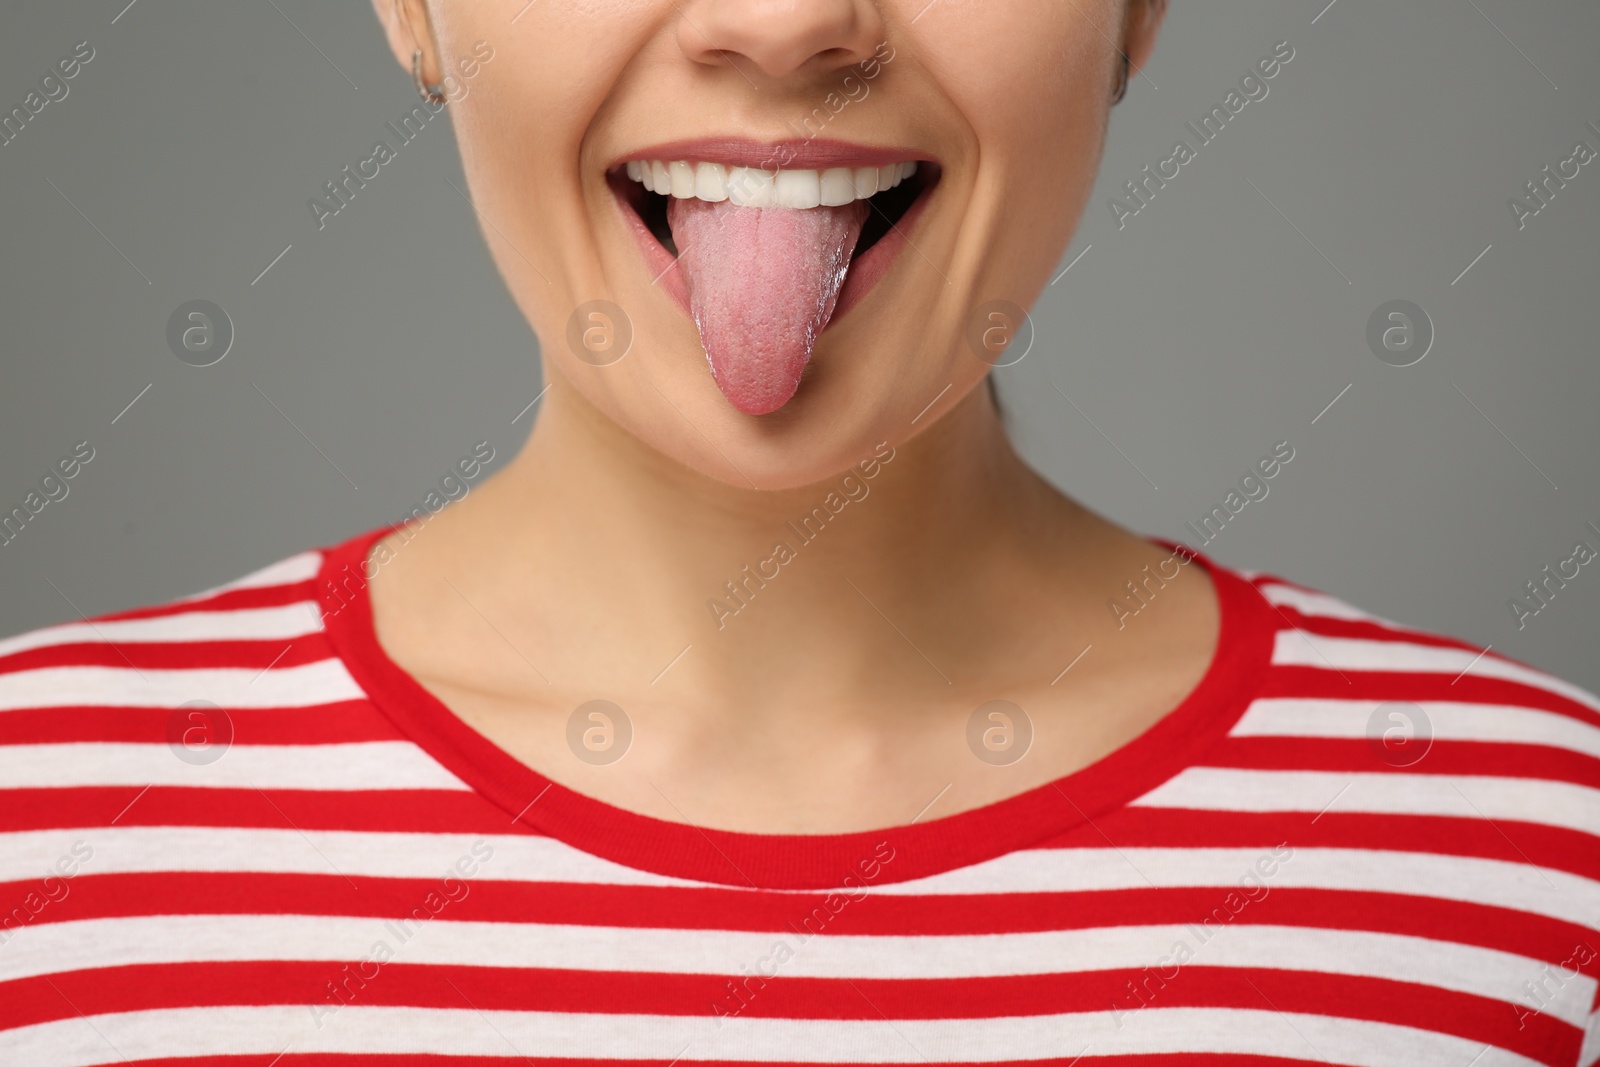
x=780 y=38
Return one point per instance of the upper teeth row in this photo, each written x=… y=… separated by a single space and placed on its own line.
x=758 y=187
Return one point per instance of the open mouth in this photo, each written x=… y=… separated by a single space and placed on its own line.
x=763 y=257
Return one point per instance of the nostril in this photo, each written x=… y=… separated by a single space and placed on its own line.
x=779 y=38
x=836 y=57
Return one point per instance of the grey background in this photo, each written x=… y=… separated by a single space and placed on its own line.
x=1219 y=320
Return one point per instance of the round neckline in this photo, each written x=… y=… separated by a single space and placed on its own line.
x=802 y=861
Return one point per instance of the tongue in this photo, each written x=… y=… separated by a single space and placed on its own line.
x=762 y=285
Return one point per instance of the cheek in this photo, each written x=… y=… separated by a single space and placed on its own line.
x=1025 y=74
x=1030 y=81
x=521 y=133
x=1051 y=146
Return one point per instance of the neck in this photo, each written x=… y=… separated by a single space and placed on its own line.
x=803 y=660
x=599 y=558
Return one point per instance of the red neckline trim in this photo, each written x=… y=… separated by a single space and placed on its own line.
x=802 y=861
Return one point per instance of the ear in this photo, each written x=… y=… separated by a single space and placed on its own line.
x=406 y=24
x=1141 y=20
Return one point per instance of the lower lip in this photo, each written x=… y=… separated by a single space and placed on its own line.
x=865 y=271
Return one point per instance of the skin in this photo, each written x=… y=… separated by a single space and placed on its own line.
x=838 y=698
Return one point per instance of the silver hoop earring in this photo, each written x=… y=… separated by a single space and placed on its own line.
x=433 y=94
x=1122 y=82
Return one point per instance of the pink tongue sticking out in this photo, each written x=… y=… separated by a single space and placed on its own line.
x=762 y=285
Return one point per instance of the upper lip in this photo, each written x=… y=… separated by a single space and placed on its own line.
x=794 y=154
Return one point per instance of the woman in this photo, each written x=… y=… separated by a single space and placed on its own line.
x=766 y=707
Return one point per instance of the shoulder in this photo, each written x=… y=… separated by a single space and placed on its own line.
x=1329 y=650
x=1360 y=715
x=81 y=699
x=218 y=627
x=1442 y=782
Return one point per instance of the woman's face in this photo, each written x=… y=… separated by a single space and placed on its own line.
x=619 y=154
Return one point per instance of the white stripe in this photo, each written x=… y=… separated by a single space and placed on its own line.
x=1495 y=883
x=1297 y=648
x=250 y=624
x=357 y=1029
x=49 y=948
x=143 y=849
x=1445 y=721
x=301 y=567
x=322 y=682
x=1462 y=796
x=1320 y=605
x=334 y=767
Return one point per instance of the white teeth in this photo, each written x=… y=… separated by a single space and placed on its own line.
x=750 y=187
x=682 y=175
x=711 y=182
x=799 y=188
x=838 y=186
x=766 y=187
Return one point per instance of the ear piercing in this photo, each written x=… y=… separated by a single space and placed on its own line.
x=434 y=94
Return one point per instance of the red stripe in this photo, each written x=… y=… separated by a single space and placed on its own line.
x=482 y=898
x=1368 y=630
x=174 y=655
x=386 y=810
x=399 y=984
x=1473 y=838
x=1417 y=686
x=1526 y=759
x=316 y=724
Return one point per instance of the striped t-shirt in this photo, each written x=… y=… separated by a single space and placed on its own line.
x=232 y=831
